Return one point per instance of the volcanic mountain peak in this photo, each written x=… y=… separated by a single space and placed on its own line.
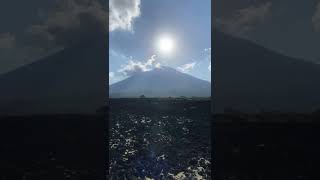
x=160 y=82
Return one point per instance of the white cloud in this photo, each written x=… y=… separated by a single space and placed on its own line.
x=245 y=18
x=151 y=61
x=186 y=67
x=134 y=67
x=122 y=14
x=208 y=54
x=111 y=75
x=316 y=18
x=114 y=53
x=157 y=65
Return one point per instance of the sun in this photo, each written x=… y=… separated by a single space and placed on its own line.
x=166 y=45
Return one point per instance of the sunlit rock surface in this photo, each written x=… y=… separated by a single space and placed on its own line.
x=159 y=139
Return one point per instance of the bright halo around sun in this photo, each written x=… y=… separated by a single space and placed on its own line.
x=166 y=45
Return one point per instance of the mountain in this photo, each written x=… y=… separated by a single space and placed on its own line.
x=249 y=77
x=69 y=81
x=161 y=82
x=246 y=77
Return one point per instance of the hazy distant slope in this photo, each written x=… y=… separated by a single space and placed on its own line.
x=250 y=77
x=70 y=81
x=161 y=82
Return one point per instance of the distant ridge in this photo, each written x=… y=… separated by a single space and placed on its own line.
x=69 y=81
x=249 y=77
x=161 y=82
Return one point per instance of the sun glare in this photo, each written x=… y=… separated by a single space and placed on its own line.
x=166 y=45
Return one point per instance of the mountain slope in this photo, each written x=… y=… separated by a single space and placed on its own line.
x=250 y=77
x=161 y=82
x=69 y=81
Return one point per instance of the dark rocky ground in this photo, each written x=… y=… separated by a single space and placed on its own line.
x=245 y=146
x=52 y=147
x=266 y=146
x=159 y=139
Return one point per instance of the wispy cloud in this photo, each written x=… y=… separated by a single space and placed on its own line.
x=114 y=53
x=208 y=54
x=111 y=75
x=133 y=67
x=245 y=18
x=122 y=14
x=186 y=67
x=208 y=57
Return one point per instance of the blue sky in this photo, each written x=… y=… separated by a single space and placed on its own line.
x=136 y=27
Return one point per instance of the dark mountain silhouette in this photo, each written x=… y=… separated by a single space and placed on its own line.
x=249 y=77
x=161 y=82
x=69 y=81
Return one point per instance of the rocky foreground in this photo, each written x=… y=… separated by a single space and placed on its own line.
x=160 y=139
